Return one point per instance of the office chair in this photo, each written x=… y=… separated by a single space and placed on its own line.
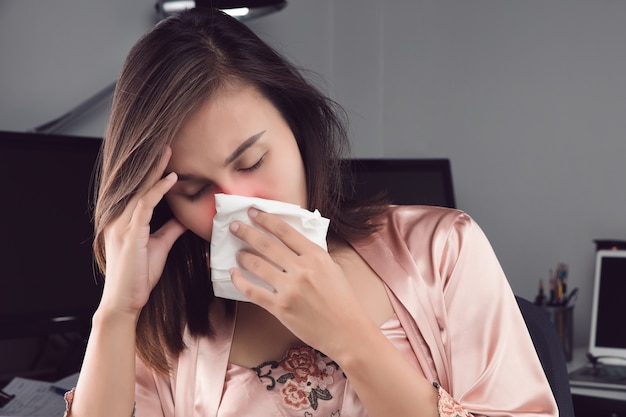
x=550 y=351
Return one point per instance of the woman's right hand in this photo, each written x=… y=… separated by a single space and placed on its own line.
x=135 y=258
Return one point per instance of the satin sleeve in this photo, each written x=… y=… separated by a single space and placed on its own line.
x=493 y=367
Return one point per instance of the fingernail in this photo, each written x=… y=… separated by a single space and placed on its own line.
x=234 y=226
x=253 y=212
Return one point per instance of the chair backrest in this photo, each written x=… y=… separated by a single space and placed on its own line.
x=550 y=351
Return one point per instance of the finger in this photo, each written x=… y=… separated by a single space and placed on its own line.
x=255 y=293
x=265 y=270
x=292 y=238
x=262 y=243
x=157 y=174
x=142 y=214
x=169 y=233
x=153 y=178
x=161 y=243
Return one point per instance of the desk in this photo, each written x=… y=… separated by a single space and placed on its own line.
x=592 y=402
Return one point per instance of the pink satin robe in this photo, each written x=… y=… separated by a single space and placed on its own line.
x=453 y=301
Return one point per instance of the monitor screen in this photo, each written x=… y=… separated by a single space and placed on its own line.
x=405 y=181
x=608 y=304
x=47 y=275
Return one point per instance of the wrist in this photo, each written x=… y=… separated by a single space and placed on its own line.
x=107 y=314
x=354 y=350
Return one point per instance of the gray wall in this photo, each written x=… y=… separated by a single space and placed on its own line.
x=527 y=98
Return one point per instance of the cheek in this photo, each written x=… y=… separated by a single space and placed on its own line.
x=261 y=186
x=285 y=183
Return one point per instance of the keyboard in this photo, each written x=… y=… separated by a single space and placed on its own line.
x=601 y=376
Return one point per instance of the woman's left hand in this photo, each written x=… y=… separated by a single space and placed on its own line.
x=311 y=296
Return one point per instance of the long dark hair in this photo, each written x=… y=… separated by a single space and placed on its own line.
x=167 y=75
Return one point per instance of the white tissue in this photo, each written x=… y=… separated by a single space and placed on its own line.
x=224 y=245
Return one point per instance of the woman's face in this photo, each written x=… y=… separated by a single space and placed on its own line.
x=235 y=143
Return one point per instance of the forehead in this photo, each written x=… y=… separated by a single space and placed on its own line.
x=230 y=107
x=222 y=122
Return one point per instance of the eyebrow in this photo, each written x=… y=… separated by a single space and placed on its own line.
x=243 y=147
x=231 y=158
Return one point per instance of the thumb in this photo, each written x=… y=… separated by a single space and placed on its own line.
x=168 y=234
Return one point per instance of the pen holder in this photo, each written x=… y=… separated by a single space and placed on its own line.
x=563 y=319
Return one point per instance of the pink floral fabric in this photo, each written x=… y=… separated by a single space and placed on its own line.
x=304 y=377
x=69 y=398
x=448 y=406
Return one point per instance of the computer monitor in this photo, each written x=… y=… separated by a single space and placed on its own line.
x=47 y=275
x=405 y=181
x=607 y=311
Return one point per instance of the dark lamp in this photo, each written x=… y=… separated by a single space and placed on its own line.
x=239 y=9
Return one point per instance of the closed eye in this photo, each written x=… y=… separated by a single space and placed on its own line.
x=202 y=191
x=254 y=167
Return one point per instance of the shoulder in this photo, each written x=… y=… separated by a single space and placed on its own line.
x=423 y=222
x=431 y=240
x=425 y=241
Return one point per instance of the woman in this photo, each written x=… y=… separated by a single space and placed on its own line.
x=407 y=314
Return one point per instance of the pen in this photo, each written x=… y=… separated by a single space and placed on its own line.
x=541 y=297
x=5 y=398
x=552 y=299
x=572 y=297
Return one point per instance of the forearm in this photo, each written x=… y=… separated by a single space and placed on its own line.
x=385 y=381
x=106 y=386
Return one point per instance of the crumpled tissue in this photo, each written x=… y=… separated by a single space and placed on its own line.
x=224 y=245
